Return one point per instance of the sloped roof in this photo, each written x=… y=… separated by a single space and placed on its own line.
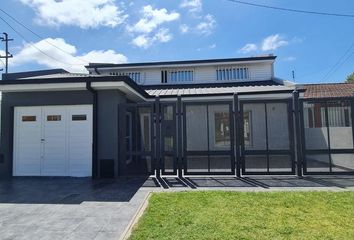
x=329 y=90
x=219 y=90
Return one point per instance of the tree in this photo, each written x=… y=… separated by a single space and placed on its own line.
x=350 y=78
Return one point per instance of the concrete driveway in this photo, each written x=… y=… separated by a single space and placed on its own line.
x=72 y=208
x=68 y=208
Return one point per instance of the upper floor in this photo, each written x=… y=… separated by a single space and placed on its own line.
x=230 y=70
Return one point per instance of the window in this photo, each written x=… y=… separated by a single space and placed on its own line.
x=28 y=118
x=232 y=73
x=338 y=115
x=222 y=129
x=136 y=76
x=79 y=117
x=53 y=118
x=247 y=131
x=176 y=76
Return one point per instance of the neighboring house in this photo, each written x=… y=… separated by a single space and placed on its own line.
x=204 y=117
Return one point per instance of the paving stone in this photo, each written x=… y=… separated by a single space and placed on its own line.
x=107 y=236
x=82 y=208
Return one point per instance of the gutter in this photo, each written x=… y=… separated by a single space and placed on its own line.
x=95 y=172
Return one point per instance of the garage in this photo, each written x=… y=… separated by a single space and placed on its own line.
x=53 y=141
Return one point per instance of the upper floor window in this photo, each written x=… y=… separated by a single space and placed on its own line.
x=136 y=76
x=175 y=76
x=232 y=73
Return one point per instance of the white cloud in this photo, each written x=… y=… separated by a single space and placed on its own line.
x=212 y=46
x=207 y=26
x=141 y=41
x=2 y=62
x=249 y=47
x=192 y=5
x=273 y=42
x=163 y=35
x=289 y=59
x=184 y=28
x=145 y=41
x=84 y=14
x=148 y=27
x=52 y=57
x=152 y=19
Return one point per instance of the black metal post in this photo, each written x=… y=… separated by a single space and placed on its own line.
x=298 y=141
x=238 y=136
x=179 y=136
x=158 y=137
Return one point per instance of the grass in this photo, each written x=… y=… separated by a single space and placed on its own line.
x=241 y=215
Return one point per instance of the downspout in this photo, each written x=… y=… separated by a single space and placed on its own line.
x=95 y=164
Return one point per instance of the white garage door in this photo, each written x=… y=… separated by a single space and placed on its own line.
x=53 y=141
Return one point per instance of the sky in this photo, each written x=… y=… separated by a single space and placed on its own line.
x=71 y=33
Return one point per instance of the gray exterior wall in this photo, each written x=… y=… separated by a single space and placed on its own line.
x=107 y=119
x=11 y=100
x=107 y=126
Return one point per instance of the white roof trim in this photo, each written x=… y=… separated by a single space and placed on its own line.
x=36 y=87
x=123 y=87
x=179 y=65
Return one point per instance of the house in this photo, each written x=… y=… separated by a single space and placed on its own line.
x=201 y=117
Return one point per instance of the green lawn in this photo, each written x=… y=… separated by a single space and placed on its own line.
x=241 y=215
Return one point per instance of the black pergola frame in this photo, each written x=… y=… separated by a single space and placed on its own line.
x=208 y=152
x=328 y=151
x=290 y=152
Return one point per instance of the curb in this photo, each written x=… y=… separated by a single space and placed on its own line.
x=128 y=230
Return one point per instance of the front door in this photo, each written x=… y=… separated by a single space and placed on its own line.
x=168 y=139
x=136 y=146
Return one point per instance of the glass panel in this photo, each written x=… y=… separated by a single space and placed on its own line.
x=169 y=163
x=144 y=164
x=318 y=163
x=256 y=163
x=316 y=136
x=197 y=163
x=340 y=125
x=129 y=159
x=53 y=118
x=219 y=127
x=220 y=164
x=342 y=162
x=196 y=128
x=278 y=126
x=79 y=117
x=257 y=124
x=28 y=118
x=168 y=143
x=280 y=163
x=145 y=128
x=168 y=112
x=247 y=130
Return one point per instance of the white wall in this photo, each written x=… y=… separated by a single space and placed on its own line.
x=202 y=74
